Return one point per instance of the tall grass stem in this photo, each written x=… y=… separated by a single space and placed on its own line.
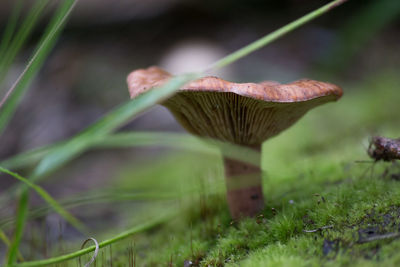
x=269 y=38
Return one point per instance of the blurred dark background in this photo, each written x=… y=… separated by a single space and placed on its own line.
x=104 y=40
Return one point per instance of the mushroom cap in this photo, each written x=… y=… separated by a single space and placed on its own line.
x=241 y=113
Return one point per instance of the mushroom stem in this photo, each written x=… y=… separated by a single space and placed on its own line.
x=244 y=188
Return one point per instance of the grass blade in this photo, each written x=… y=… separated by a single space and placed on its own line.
x=22 y=212
x=4 y=238
x=13 y=96
x=274 y=36
x=90 y=198
x=354 y=35
x=133 y=139
x=10 y=28
x=62 y=154
x=21 y=36
x=50 y=201
x=7 y=242
x=134 y=230
x=27 y=158
x=180 y=141
x=19 y=87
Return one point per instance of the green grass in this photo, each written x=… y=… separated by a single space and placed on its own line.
x=50 y=200
x=14 y=94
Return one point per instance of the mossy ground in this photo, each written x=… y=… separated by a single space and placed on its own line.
x=322 y=206
x=352 y=210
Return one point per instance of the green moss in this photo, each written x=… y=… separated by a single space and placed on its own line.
x=346 y=207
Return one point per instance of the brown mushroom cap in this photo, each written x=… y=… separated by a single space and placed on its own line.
x=241 y=113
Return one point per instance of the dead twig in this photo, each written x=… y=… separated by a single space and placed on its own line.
x=378 y=237
x=318 y=229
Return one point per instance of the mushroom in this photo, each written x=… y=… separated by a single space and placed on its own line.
x=246 y=114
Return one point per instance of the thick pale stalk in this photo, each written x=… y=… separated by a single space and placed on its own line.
x=244 y=188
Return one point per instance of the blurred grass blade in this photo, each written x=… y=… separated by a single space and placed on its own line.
x=114 y=119
x=269 y=38
x=7 y=242
x=4 y=238
x=23 y=160
x=20 y=37
x=134 y=230
x=10 y=28
x=27 y=158
x=22 y=212
x=354 y=35
x=50 y=201
x=127 y=111
x=13 y=96
x=180 y=141
x=90 y=198
x=171 y=140
x=132 y=139
x=57 y=21
x=127 y=139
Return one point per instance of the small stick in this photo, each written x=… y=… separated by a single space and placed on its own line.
x=378 y=237
x=318 y=229
x=364 y=161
